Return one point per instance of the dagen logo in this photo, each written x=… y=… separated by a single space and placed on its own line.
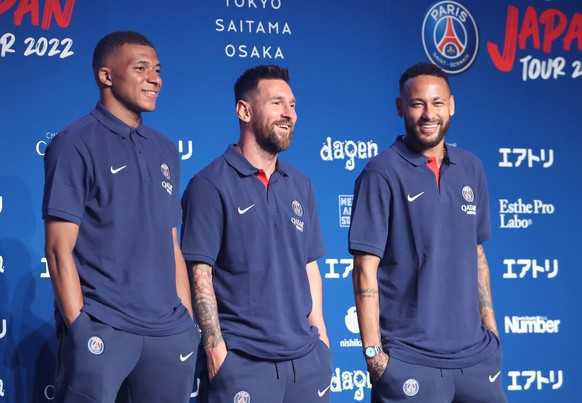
x=450 y=36
x=348 y=150
x=356 y=381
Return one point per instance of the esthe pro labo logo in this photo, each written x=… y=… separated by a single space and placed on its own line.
x=517 y=214
x=450 y=36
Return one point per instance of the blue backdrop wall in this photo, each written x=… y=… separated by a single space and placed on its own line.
x=516 y=69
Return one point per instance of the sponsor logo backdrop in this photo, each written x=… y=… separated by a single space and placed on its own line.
x=517 y=76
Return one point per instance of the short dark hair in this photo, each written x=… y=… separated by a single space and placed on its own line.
x=113 y=41
x=249 y=80
x=423 y=69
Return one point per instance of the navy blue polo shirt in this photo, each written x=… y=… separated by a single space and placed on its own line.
x=121 y=186
x=259 y=242
x=427 y=241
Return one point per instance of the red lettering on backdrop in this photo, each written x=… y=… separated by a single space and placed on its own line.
x=62 y=17
x=504 y=62
x=530 y=29
x=52 y=10
x=554 y=22
x=574 y=32
x=552 y=30
x=26 y=7
x=5 y=5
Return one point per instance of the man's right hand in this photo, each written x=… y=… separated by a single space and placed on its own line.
x=215 y=359
x=377 y=366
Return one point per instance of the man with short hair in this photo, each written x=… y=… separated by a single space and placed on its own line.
x=111 y=209
x=251 y=239
x=421 y=279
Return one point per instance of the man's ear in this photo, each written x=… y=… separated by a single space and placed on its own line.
x=399 y=107
x=104 y=75
x=243 y=111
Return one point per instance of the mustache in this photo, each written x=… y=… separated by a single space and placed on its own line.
x=430 y=121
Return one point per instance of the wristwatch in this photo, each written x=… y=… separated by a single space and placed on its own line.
x=372 y=351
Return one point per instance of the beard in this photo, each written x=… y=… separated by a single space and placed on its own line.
x=421 y=142
x=268 y=139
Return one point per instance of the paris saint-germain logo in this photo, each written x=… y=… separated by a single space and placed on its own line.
x=242 y=397
x=450 y=36
x=468 y=194
x=165 y=170
x=95 y=345
x=297 y=208
x=411 y=387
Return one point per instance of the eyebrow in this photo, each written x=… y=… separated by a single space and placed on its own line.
x=437 y=98
x=142 y=61
x=283 y=98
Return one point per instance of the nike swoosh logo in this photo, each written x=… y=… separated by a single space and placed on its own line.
x=242 y=211
x=185 y=357
x=320 y=393
x=494 y=377
x=116 y=170
x=413 y=198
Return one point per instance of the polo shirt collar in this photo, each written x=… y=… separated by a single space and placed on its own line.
x=416 y=158
x=111 y=122
x=243 y=166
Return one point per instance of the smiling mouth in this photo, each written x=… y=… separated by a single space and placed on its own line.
x=429 y=127
x=284 y=126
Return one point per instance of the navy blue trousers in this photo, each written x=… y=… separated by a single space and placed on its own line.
x=404 y=382
x=94 y=360
x=243 y=379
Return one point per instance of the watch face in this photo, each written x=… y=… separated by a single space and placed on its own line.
x=370 y=352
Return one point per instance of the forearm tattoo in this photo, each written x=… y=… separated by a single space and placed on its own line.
x=376 y=367
x=368 y=292
x=484 y=280
x=205 y=307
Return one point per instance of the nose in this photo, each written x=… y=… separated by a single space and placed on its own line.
x=154 y=77
x=289 y=112
x=429 y=112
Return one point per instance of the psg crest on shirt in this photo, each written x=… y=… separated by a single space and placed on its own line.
x=297 y=208
x=468 y=194
x=165 y=171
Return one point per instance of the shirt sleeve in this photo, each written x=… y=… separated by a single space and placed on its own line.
x=316 y=248
x=483 y=214
x=370 y=214
x=203 y=221
x=177 y=206
x=67 y=177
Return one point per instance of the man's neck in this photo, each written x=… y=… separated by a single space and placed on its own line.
x=258 y=157
x=130 y=118
x=437 y=152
